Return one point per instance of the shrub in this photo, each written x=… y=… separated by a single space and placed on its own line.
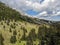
x=13 y=26
x=10 y=30
x=32 y=35
x=14 y=32
x=1 y=23
x=1 y=39
x=13 y=39
x=4 y=26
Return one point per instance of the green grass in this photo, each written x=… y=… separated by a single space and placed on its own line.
x=6 y=34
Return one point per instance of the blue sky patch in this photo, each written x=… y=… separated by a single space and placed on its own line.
x=31 y=12
x=41 y=1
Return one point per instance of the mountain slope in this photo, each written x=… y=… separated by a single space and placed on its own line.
x=17 y=29
x=8 y=13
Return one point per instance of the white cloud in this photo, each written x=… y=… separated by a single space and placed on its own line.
x=58 y=13
x=43 y=14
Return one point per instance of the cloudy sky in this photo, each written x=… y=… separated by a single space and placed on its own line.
x=45 y=9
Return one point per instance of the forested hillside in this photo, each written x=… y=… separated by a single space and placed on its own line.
x=17 y=29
